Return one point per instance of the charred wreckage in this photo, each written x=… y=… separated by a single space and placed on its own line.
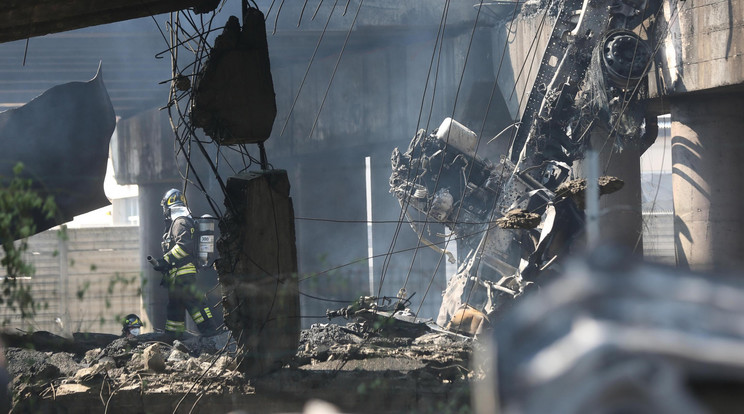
x=516 y=218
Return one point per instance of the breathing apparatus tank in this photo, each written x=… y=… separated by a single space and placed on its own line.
x=205 y=232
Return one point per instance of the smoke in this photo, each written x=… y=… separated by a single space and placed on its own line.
x=343 y=96
x=374 y=79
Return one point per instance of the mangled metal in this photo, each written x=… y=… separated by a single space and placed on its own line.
x=469 y=195
x=584 y=90
x=382 y=315
x=515 y=218
x=391 y=318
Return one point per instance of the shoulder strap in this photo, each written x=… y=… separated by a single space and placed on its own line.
x=190 y=221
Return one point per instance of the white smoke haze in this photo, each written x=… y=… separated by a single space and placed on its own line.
x=397 y=73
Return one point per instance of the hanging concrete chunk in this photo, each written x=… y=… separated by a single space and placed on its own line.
x=234 y=101
x=519 y=218
x=576 y=189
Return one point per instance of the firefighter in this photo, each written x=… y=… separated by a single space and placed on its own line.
x=131 y=326
x=178 y=265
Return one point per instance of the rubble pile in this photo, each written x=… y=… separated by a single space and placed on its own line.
x=339 y=347
x=359 y=372
x=130 y=372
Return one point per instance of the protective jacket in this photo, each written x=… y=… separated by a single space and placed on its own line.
x=179 y=247
x=179 y=250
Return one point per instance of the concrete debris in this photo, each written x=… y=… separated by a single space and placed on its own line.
x=341 y=364
x=330 y=346
x=518 y=219
x=256 y=275
x=31 y=366
x=177 y=355
x=576 y=189
x=154 y=359
x=87 y=374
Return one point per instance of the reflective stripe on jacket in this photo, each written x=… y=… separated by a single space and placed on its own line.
x=181 y=247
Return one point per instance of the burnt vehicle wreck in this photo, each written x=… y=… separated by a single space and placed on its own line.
x=515 y=219
x=509 y=226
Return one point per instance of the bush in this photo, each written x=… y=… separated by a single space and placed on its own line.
x=20 y=206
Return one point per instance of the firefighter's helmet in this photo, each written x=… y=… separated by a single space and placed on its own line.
x=131 y=325
x=172 y=198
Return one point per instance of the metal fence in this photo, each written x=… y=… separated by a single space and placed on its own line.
x=85 y=280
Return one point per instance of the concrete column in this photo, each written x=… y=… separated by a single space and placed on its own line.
x=707 y=178
x=154 y=296
x=142 y=152
x=258 y=270
x=621 y=218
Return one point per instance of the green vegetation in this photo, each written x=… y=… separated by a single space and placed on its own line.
x=20 y=205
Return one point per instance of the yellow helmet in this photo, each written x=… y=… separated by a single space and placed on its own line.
x=172 y=198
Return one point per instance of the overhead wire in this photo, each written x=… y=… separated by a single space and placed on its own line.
x=185 y=133
x=302 y=12
x=328 y=220
x=404 y=250
x=480 y=135
x=439 y=39
x=276 y=17
x=438 y=53
x=335 y=67
x=309 y=65
x=436 y=184
x=391 y=251
x=446 y=144
x=478 y=254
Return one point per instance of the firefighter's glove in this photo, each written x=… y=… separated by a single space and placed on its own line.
x=162 y=265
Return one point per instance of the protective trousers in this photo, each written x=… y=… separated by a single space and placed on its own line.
x=184 y=294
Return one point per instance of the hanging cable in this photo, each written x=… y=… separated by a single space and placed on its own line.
x=335 y=67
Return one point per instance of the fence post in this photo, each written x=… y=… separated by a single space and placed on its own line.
x=64 y=285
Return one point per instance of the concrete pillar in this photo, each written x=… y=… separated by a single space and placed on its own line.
x=154 y=296
x=142 y=153
x=621 y=218
x=707 y=177
x=258 y=270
